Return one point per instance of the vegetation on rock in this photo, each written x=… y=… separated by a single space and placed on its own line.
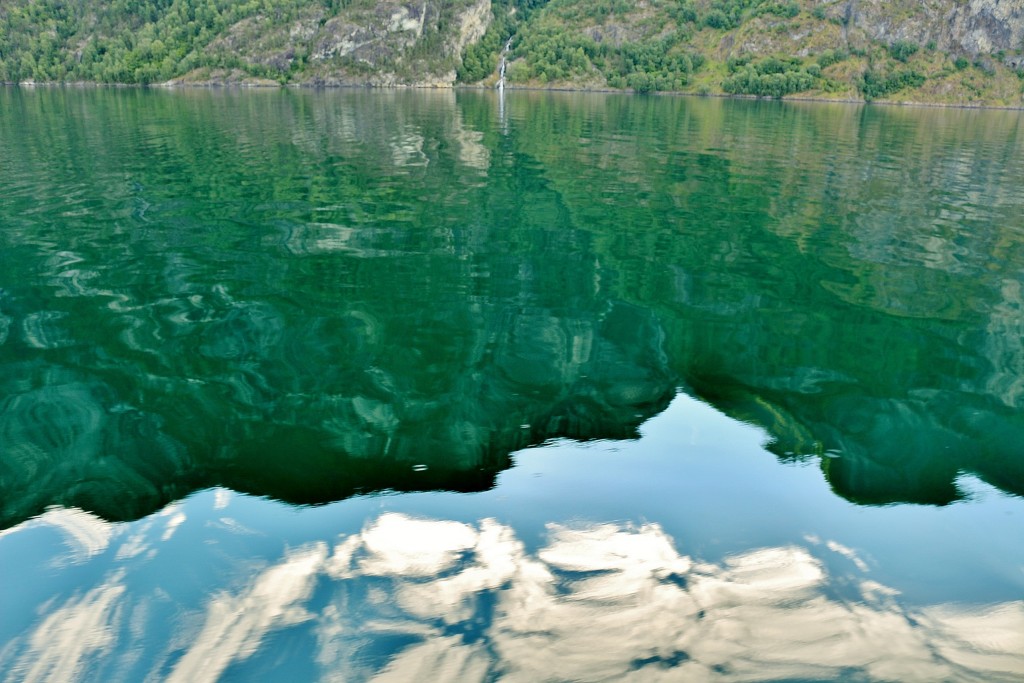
x=950 y=53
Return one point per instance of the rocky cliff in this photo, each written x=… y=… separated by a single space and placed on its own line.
x=975 y=27
x=383 y=44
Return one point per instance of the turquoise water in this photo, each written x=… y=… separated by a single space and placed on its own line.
x=384 y=385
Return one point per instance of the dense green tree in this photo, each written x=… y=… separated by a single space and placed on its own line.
x=874 y=85
x=903 y=50
x=771 y=77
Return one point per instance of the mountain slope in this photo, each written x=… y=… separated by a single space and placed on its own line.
x=327 y=41
x=937 y=51
x=944 y=51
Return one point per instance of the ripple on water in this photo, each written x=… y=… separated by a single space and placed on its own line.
x=72 y=441
x=42 y=330
x=246 y=331
x=49 y=424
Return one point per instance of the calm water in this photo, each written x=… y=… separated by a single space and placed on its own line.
x=428 y=386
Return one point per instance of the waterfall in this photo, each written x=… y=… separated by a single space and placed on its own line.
x=501 y=68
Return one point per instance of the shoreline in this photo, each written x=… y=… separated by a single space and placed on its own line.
x=271 y=85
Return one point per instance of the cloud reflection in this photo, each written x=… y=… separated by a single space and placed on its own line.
x=418 y=599
x=84 y=534
x=235 y=624
x=612 y=602
x=73 y=636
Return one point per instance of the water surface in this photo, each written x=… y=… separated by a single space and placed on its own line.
x=687 y=387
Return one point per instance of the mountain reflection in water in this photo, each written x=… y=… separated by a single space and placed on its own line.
x=412 y=598
x=308 y=295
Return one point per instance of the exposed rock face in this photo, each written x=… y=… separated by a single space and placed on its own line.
x=975 y=27
x=988 y=25
x=473 y=24
x=383 y=44
x=391 y=30
x=386 y=45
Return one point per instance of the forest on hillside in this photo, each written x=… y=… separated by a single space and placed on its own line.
x=768 y=48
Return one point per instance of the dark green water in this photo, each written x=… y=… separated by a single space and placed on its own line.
x=687 y=388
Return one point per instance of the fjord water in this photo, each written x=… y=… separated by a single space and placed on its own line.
x=673 y=387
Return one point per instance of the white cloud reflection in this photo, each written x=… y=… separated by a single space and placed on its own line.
x=235 y=624
x=72 y=636
x=417 y=599
x=610 y=602
x=84 y=534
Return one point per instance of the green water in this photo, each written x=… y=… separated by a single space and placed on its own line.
x=677 y=388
